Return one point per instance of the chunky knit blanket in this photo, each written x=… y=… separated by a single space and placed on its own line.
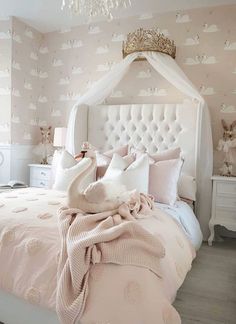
x=108 y=237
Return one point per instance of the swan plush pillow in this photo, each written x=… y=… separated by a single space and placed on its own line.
x=132 y=176
x=68 y=168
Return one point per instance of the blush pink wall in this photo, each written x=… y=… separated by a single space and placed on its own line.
x=69 y=61
x=206 y=51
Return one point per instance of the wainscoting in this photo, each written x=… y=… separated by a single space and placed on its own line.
x=14 y=160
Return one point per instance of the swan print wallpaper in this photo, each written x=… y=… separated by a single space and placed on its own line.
x=62 y=65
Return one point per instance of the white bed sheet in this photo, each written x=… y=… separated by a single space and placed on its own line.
x=184 y=214
x=14 y=310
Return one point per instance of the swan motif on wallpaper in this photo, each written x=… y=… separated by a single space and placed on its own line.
x=200 y=59
x=230 y=46
x=207 y=91
x=182 y=18
x=94 y=30
x=102 y=49
x=146 y=16
x=210 y=28
x=64 y=81
x=208 y=59
x=56 y=113
x=34 y=56
x=4 y=128
x=99 y=196
x=28 y=32
x=43 y=50
x=152 y=92
x=77 y=70
x=27 y=85
x=5 y=35
x=16 y=37
x=5 y=91
x=33 y=122
x=16 y=65
x=144 y=74
x=227 y=109
x=117 y=37
x=15 y=119
x=193 y=61
x=191 y=41
x=32 y=106
x=105 y=67
x=5 y=73
x=117 y=94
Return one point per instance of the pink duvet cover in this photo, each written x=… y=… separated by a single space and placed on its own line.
x=118 y=294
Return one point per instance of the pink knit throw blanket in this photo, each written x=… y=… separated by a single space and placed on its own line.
x=108 y=237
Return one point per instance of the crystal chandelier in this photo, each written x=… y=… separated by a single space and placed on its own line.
x=92 y=8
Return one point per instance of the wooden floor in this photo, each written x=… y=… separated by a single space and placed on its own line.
x=208 y=295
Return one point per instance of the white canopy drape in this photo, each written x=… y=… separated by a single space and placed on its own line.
x=169 y=69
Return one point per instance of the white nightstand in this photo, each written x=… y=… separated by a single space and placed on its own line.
x=223 y=204
x=40 y=175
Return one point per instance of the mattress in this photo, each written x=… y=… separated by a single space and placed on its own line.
x=26 y=313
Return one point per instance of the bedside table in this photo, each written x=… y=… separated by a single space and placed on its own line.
x=40 y=175
x=223 y=204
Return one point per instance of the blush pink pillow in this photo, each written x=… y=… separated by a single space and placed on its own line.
x=169 y=154
x=105 y=157
x=173 y=153
x=163 y=180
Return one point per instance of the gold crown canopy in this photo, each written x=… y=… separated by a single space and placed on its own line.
x=152 y=40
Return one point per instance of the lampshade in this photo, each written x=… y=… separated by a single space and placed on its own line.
x=60 y=136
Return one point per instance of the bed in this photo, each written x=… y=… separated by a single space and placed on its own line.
x=153 y=127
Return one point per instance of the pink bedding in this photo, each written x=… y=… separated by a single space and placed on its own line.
x=127 y=294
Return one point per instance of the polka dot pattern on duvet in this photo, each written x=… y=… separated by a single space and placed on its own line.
x=32 y=199
x=33 y=295
x=45 y=216
x=11 y=196
x=7 y=236
x=132 y=292
x=19 y=209
x=33 y=246
x=53 y=203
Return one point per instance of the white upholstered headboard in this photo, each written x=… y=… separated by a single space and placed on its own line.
x=155 y=127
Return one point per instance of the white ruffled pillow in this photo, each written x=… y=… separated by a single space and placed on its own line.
x=164 y=177
x=68 y=168
x=132 y=176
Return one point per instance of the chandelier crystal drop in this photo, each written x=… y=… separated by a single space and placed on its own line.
x=93 y=8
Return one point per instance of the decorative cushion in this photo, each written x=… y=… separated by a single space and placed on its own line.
x=187 y=187
x=164 y=176
x=173 y=153
x=167 y=155
x=133 y=176
x=68 y=168
x=104 y=159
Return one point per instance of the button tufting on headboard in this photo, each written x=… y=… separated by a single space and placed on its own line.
x=155 y=127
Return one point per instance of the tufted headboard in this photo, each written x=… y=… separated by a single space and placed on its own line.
x=155 y=127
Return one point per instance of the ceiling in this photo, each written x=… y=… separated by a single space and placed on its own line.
x=46 y=15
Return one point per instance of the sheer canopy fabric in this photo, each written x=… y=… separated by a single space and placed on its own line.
x=169 y=69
